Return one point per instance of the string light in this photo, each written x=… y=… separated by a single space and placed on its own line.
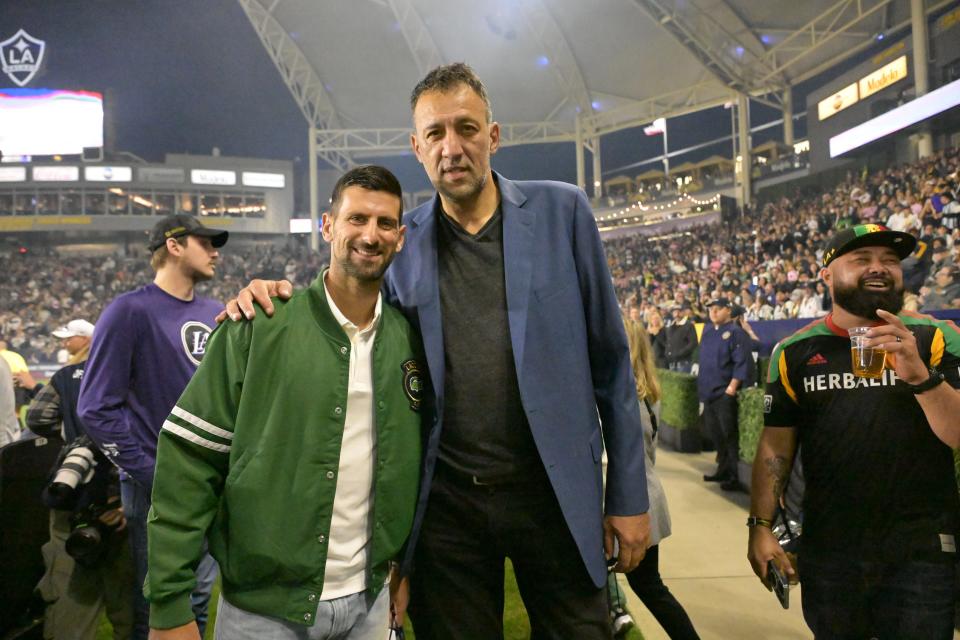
x=662 y=207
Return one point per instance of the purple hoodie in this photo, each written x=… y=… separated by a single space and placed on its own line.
x=146 y=346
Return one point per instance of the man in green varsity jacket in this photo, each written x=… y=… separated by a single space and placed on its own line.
x=295 y=449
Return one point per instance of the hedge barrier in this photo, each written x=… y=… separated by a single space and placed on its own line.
x=679 y=411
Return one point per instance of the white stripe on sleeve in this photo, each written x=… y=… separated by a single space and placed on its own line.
x=201 y=423
x=186 y=434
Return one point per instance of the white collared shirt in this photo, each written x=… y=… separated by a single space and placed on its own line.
x=349 y=540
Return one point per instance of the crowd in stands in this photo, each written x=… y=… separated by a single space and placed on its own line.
x=768 y=260
x=42 y=290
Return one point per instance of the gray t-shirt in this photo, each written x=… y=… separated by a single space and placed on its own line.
x=485 y=430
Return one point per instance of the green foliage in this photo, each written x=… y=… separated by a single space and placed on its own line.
x=750 y=421
x=680 y=407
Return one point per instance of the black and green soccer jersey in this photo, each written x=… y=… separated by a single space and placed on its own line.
x=249 y=458
x=879 y=483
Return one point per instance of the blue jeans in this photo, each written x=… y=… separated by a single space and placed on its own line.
x=136 y=506
x=846 y=598
x=353 y=617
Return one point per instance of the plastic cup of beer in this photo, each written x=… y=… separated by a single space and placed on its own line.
x=867 y=361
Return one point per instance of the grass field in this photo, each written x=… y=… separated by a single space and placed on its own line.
x=515 y=623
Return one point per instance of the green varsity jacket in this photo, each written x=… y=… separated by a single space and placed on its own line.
x=249 y=457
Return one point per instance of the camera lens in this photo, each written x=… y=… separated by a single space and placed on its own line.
x=76 y=468
x=83 y=542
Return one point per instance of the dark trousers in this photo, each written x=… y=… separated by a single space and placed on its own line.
x=848 y=598
x=458 y=570
x=646 y=582
x=720 y=421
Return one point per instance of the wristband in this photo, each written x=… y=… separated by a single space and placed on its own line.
x=754 y=521
x=936 y=378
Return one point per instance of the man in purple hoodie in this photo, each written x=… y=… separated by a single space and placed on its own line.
x=146 y=346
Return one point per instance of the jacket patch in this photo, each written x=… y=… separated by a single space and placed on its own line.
x=412 y=383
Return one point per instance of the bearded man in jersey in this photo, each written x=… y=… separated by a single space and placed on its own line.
x=881 y=510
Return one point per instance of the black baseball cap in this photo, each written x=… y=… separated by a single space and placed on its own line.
x=867 y=235
x=180 y=225
x=719 y=302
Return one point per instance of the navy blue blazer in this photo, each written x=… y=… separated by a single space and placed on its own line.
x=569 y=346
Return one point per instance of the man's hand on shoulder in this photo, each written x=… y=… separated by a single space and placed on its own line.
x=187 y=631
x=259 y=291
x=633 y=535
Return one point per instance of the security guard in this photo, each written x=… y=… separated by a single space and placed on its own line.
x=726 y=364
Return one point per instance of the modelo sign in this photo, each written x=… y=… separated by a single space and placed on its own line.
x=883 y=77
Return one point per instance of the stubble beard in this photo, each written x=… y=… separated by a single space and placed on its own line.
x=366 y=274
x=465 y=192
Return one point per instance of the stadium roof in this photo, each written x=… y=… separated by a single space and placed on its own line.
x=351 y=64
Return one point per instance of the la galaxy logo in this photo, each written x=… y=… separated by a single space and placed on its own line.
x=194 y=336
x=412 y=383
x=22 y=55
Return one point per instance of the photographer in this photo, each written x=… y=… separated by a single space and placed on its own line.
x=87 y=559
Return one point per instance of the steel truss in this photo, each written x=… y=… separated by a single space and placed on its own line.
x=297 y=73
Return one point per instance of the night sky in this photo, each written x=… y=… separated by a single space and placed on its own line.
x=185 y=76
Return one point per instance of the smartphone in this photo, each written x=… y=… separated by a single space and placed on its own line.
x=780 y=584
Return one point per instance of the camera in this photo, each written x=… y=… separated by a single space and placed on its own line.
x=87 y=542
x=74 y=469
x=86 y=484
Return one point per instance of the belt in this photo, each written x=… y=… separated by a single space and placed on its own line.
x=465 y=478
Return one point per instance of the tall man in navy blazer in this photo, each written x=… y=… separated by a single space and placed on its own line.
x=509 y=286
x=530 y=371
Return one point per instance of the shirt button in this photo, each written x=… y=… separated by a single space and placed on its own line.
x=321 y=538
x=312 y=597
x=380 y=404
x=343 y=350
x=329 y=475
x=338 y=410
x=307 y=617
x=378 y=525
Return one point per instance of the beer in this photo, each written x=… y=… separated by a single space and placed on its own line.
x=868 y=362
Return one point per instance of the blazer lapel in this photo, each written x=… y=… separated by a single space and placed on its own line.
x=518 y=248
x=427 y=297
